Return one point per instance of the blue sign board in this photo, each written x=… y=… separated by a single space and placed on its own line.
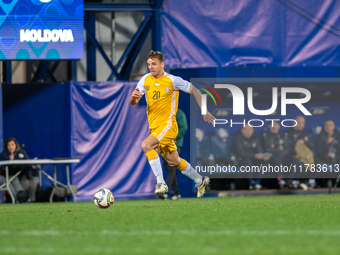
x=41 y=29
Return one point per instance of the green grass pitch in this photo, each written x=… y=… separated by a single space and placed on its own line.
x=233 y=225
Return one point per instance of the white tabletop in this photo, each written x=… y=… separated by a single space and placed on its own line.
x=39 y=161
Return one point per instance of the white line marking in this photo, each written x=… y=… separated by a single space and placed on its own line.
x=169 y=233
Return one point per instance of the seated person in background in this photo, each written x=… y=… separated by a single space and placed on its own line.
x=204 y=155
x=275 y=143
x=220 y=149
x=300 y=148
x=13 y=151
x=248 y=148
x=219 y=144
x=327 y=145
x=299 y=143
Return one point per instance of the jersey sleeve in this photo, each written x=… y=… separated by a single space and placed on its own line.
x=140 y=84
x=180 y=84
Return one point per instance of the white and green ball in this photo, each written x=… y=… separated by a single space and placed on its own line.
x=103 y=198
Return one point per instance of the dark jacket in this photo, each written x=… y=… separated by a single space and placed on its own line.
x=219 y=145
x=323 y=150
x=21 y=154
x=271 y=142
x=246 y=147
x=294 y=135
x=203 y=148
x=182 y=127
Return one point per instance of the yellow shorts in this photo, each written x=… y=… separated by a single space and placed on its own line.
x=166 y=137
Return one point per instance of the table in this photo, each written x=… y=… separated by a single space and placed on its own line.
x=53 y=162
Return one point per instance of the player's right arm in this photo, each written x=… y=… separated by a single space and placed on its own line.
x=135 y=96
x=139 y=91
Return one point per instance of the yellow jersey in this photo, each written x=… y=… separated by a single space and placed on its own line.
x=162 y=98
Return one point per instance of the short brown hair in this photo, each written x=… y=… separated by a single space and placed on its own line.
x=329 y=120
x=156 y=54
x=10 y=140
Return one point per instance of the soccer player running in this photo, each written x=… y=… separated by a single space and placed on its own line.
x=161 y=92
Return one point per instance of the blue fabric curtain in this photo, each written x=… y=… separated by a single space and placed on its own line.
x=106 y=132
x=237 y=32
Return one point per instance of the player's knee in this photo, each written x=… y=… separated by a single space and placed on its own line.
x=146 y=146
x=143 y=145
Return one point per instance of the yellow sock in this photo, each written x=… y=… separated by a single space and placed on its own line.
x=151 y=155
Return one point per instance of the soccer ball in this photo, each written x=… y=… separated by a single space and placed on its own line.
x=103 y=198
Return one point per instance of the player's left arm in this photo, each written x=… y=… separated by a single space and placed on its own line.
x=198 y=96
x=186 y=86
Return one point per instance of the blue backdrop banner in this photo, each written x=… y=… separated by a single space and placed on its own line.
x=41 y=121
x=238 y=32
